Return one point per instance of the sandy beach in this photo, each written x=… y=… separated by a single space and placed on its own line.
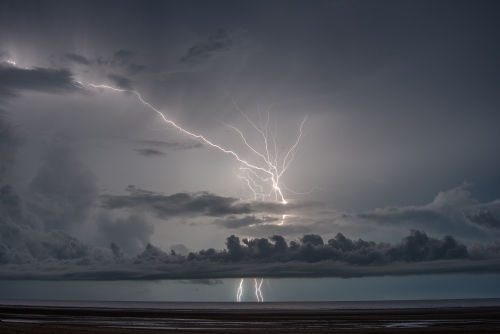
x=43 y=320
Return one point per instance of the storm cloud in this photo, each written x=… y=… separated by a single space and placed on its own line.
x=272 y=257
x=397 y=112
x=14 y=80
x=196 y=204
x=483 y=218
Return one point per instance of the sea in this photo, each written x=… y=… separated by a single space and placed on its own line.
x=306 y=306
x=14 y=312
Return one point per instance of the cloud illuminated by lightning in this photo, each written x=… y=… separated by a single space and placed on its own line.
x=264 y=180
x=273 y=163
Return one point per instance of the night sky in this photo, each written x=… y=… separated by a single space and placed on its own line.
x=381 y=123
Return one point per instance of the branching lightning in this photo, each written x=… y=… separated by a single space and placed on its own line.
x=275 y=162
x=240 y=291
x=263 y=179
x=257 y=178
x=258 y=293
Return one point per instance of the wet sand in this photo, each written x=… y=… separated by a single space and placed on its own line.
x=54 y=320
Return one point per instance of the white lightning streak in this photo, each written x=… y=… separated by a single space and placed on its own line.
x=240 y=291
x=274 y=168
x=199 y=137
x=258 y=293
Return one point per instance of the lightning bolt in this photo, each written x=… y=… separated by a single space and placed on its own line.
x=240 y=291
x=262 y=180
x=258 y=293
x=198 y=137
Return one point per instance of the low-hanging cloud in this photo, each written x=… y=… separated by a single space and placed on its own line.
x=310 y=256
x=483 y=218
x=452 y=211
x=196 y=204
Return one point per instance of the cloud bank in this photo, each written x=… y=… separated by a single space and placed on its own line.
x=58 y=256
x=35 y=242
x=197 y=204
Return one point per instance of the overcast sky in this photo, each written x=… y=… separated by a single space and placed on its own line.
x=381 y=118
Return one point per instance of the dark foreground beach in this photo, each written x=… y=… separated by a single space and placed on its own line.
x=55 y=320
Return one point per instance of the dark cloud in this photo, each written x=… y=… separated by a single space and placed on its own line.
x=132 y=233
x=483 y=218
x=417 y=247
x=79 y=59
x=173 y=144
x=234 y=222
x=149 y=152
x=451 y=211
x=180 y=249
x=121 y=82
x=195 y=204
x=60 y=256
x=14 y=80
x=60 y=195
x=220 y=41
x=24 y=245
x=136 y=68
x=181 y=204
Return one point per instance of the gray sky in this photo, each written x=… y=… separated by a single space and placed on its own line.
x=401 y=136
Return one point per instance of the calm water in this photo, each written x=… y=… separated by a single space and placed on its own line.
x=337 y=305
x=233 y=323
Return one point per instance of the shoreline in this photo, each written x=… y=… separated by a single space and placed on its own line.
x=42 y=320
